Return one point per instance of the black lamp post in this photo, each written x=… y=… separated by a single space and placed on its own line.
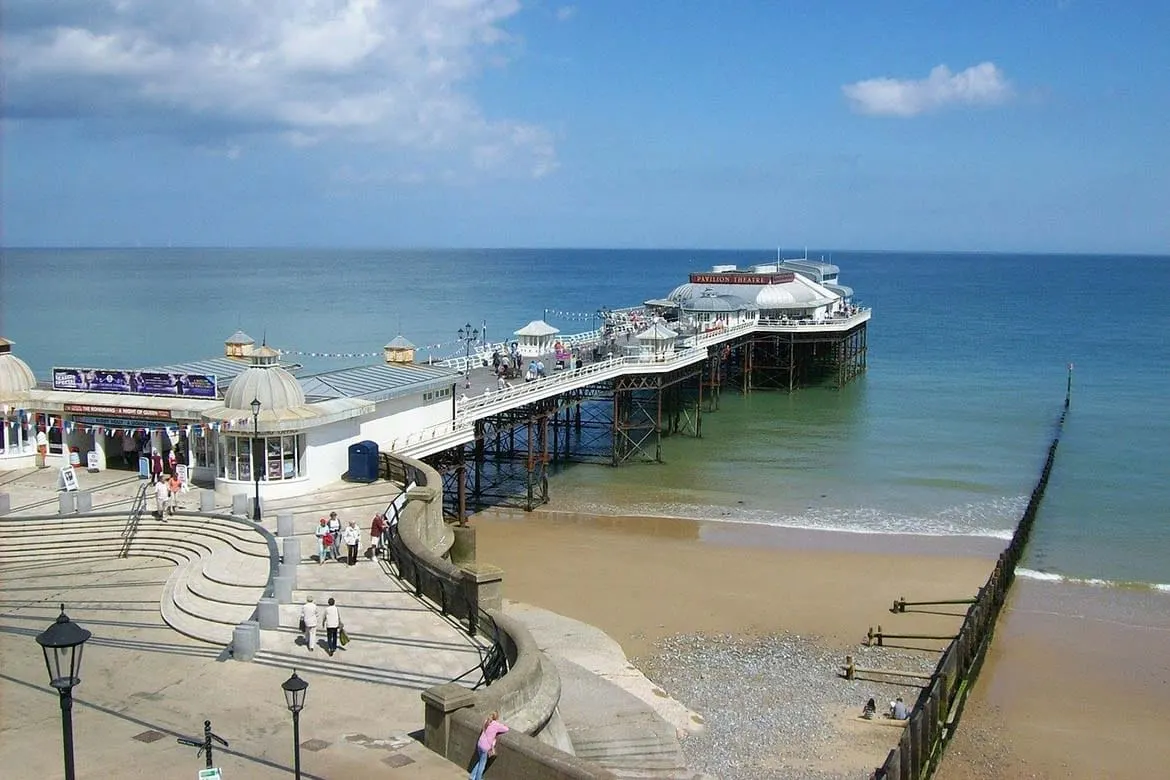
x=468 y=335
x=257 y=458
x=294 y=696
x=62 y=644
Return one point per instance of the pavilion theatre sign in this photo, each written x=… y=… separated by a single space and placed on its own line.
x=734 y=278
x=102 y=380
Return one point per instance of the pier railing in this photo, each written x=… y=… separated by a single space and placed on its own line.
x=935 y=716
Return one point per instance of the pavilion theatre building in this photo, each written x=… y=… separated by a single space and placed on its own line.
x=226 y=418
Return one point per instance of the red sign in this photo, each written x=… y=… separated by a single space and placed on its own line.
x=736 y=278
x=120 y=411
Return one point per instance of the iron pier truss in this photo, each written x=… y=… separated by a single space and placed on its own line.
x=625 y=420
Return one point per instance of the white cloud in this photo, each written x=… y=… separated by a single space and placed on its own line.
x=980 y=85
x=566 y=12
x=393 y=74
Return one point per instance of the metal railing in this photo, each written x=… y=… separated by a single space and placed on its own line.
x=136 y=509
x=446 y=593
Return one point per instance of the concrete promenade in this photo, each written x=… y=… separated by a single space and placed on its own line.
x=144 y=684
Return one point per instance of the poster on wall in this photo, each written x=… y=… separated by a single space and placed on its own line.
x=103 y=380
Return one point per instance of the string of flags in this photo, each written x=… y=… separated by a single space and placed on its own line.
x=190 y=429
x=577 y=316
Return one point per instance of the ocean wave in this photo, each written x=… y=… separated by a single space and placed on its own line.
x=1048 y=576
x=992 y=519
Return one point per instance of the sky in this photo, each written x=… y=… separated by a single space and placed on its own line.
x=990 y=126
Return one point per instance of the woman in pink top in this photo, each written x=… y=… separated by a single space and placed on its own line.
x=486 y=746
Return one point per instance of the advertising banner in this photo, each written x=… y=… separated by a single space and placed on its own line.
x=102 y=380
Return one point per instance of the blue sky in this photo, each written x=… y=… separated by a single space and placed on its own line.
x=1001 y=126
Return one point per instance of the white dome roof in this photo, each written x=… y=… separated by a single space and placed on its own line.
x=16 y=377
x=265 y=381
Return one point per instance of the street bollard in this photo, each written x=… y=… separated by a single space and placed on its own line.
x=84 y=501
x=239 y=504
x=268 y=611
x=291 y=549
x=284 y=524
x=207 y=501
x=65 y=503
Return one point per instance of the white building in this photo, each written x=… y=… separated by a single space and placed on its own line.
x=296 y=441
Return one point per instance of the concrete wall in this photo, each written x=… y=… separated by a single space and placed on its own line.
x=538 y=747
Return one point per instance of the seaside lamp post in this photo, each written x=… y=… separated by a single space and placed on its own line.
x=62 y=644
x=257 y=458
x=294 y=696
x=468 y=335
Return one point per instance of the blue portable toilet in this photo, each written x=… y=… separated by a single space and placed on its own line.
x=363 y=462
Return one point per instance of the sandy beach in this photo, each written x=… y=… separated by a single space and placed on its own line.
x=1075 y=686
x=641 y=579
x=747 y=624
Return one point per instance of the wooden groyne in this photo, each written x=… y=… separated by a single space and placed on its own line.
x=935 y=715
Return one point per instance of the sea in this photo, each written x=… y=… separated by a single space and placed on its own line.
x=970 y=356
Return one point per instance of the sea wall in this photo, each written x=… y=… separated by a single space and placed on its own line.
x=936 y=713
x=526 y=696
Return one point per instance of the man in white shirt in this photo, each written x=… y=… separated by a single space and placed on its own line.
x=162 y=496
x=309 y=621
x=352 y=538
x=332 y=626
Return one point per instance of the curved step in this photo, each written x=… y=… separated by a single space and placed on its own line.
x=195 y=627
x=210 y=590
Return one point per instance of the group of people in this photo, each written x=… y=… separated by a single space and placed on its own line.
x=332 y=536
x=897 y=710
x=313 y=618
x=166 y=494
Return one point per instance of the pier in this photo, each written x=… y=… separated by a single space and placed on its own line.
x=619 y=408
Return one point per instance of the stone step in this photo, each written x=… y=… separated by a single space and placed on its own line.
x=244 y=540
x=279 y=648
x=210 y=590
x=213 y=611
x=195 y=627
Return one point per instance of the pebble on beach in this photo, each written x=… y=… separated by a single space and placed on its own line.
x=773 y=705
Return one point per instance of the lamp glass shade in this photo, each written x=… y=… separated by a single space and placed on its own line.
x=294 y=692
x=255 y=406
x=62 y=644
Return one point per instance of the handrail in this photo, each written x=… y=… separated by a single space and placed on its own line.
x=453 y=600
x=135 y=517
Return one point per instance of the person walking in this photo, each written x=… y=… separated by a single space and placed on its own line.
x=377 y=531
x=309 y=620
x=352 y=538
x=161 y=497
x=174 y=487
x=335 y=532
x=486 y=745
x=323 y=547
x=332 y=626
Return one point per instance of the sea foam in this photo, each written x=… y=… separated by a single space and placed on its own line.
x=1048 y=576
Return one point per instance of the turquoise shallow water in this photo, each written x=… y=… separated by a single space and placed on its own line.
x=943 y=435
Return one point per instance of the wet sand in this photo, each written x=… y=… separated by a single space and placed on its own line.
x=640 y=579
x=1076 y=686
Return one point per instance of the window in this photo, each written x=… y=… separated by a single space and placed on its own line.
x=275 y=457
x=202 y=454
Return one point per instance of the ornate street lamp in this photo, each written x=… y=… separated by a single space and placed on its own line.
x=257 y=458
x=62 y=644
x=468 y=335
x=294 y=696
